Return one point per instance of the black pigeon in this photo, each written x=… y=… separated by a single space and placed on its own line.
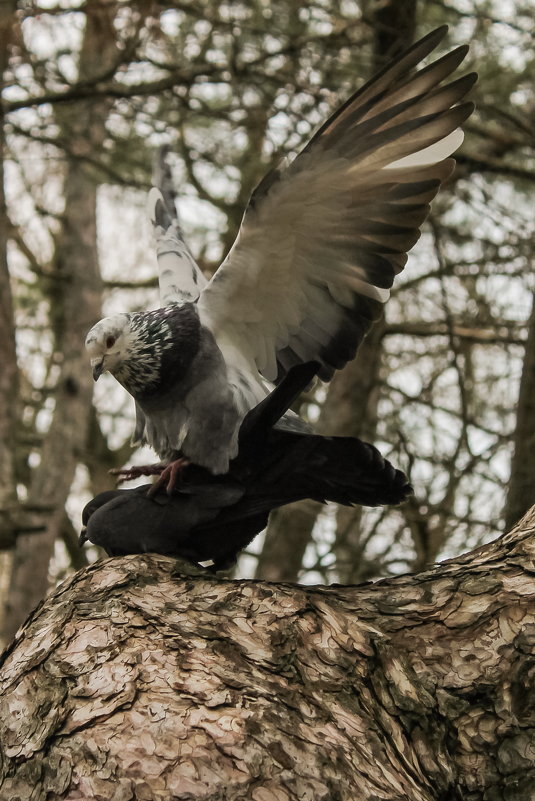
x=212 y=518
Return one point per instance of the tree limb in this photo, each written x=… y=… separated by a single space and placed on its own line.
x=157 y=677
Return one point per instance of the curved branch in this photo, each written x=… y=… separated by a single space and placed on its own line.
x=155 y=672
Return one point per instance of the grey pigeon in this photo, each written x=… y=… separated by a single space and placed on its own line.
x=317 y=252
x=212 y=518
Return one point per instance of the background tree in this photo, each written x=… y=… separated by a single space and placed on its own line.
x=88 y=93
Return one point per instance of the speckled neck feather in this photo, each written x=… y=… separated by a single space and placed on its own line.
x=163 y=344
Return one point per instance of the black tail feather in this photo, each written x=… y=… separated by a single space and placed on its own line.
x=342 y=470
x=351 y=471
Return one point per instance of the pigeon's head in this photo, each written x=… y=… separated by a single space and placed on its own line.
x=146 y=352
x=108 y=343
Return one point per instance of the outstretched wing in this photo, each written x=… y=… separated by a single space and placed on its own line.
x=179 y=276
x=322 y=240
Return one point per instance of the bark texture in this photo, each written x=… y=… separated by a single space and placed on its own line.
x=143 y=678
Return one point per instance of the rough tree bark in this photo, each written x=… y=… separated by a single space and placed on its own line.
x=141 y=678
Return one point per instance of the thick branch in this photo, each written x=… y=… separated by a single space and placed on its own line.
x=145 y=675
x=509 y=334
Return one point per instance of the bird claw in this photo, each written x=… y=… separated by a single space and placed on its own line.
x=170 y=475
x=130 y=473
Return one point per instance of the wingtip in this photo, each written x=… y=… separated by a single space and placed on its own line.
x=470 y=107
x=435 y=37
x=471 y=79
x=158 y=210
x=153 y=198
x=439 y=32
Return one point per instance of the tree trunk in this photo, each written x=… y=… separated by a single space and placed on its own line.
x=521 y=491
x=8 y=355
x=146 y=678
x=75 y=306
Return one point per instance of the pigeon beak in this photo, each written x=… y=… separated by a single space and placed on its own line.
x=98 y=369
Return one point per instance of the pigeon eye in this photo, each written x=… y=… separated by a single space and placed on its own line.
x=110 y=342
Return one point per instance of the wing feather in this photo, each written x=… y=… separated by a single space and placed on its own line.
x=179 y=276
x=323 y=238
